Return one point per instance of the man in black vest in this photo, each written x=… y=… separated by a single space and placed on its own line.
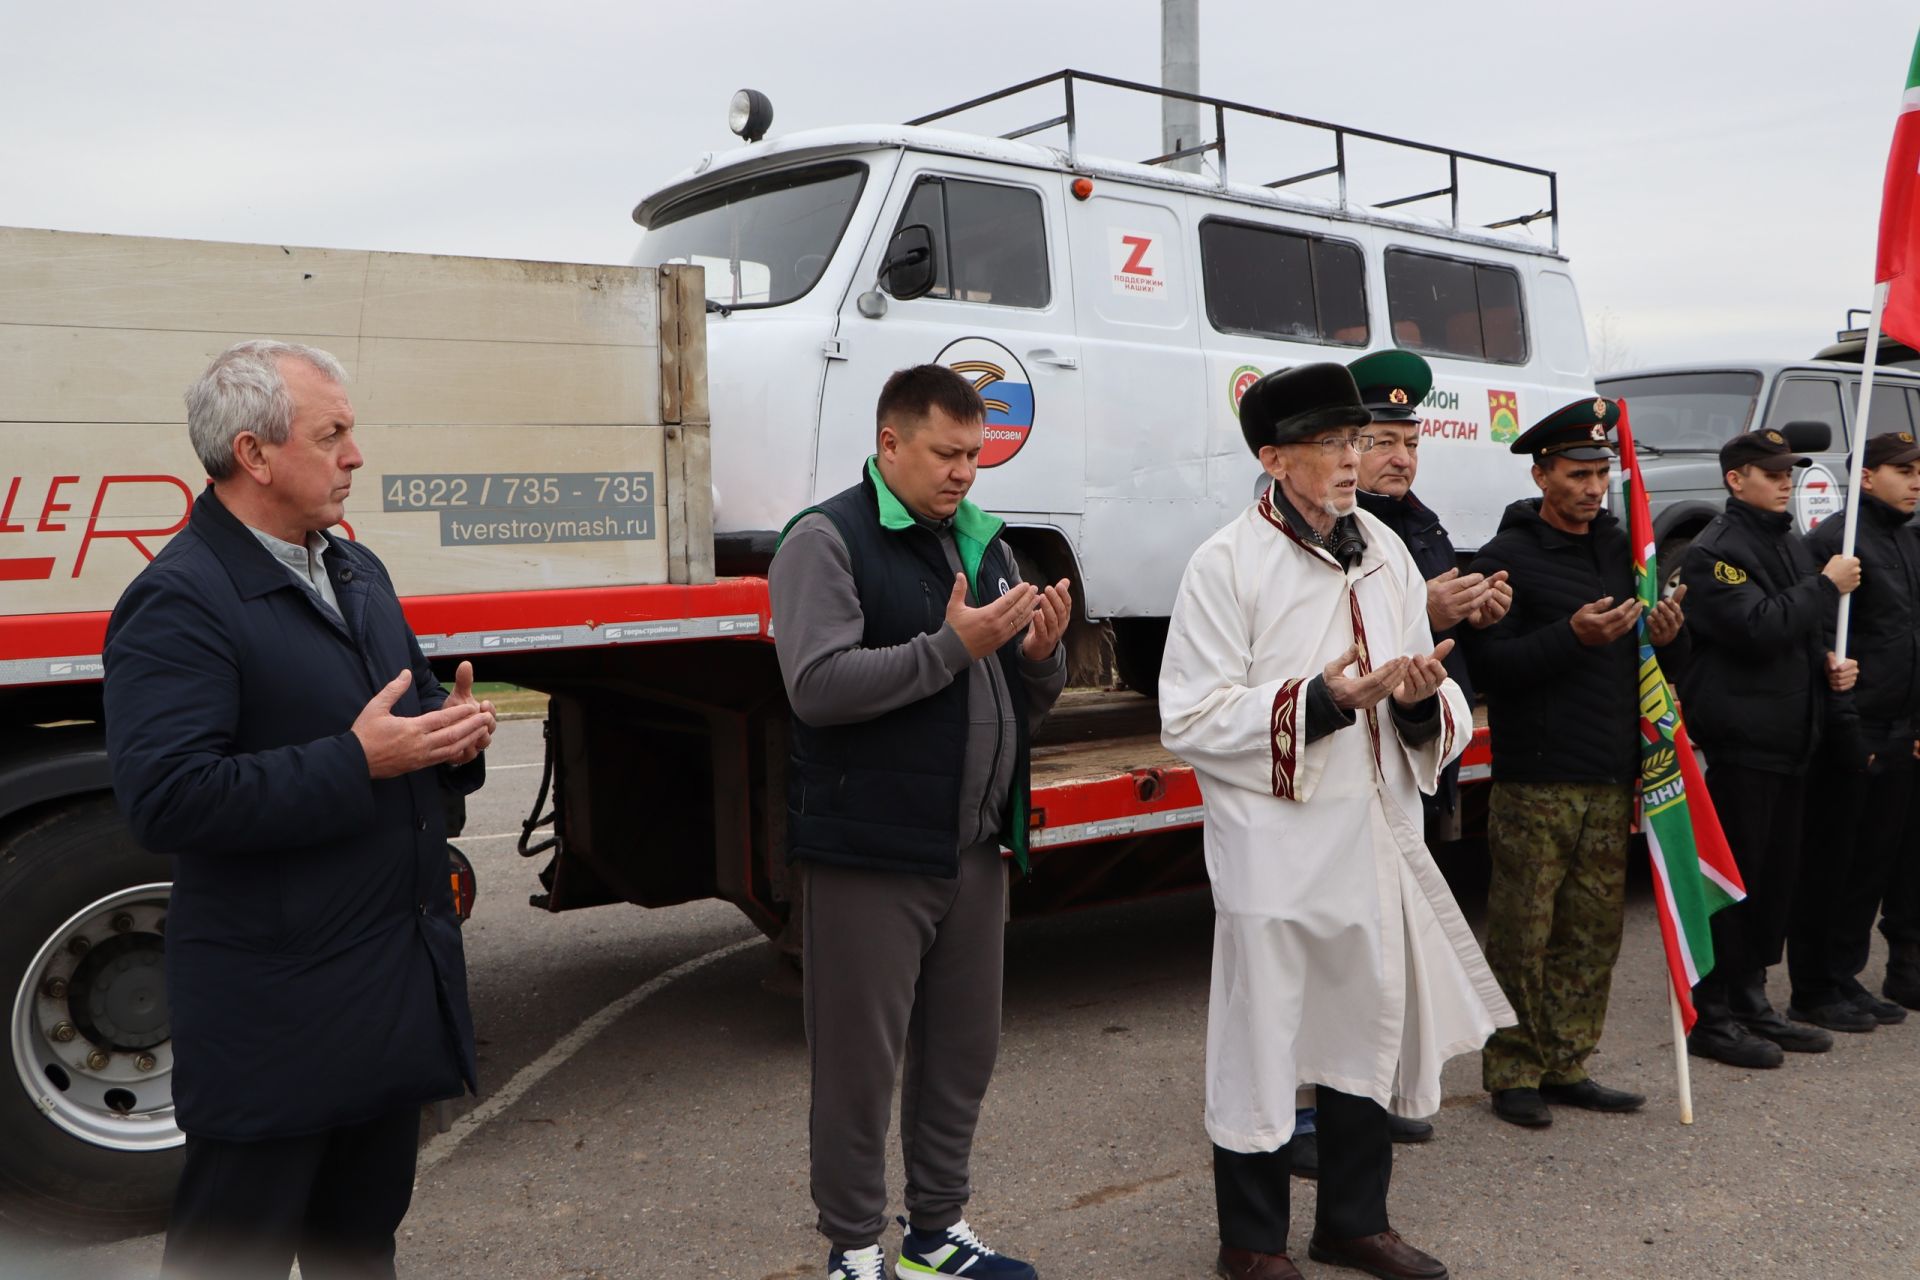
x=1758 y=698
x=917 y=664
x=1855 y=830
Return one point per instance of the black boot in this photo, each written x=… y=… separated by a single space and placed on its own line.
x=1722 y=1037
x=1903 y=974
x=1747 y=1001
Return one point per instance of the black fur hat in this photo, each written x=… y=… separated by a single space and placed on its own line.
x=1296 y=404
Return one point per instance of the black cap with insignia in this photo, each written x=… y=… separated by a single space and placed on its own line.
x=1292 y=405
x=1767 y=450
x=1578 y=431
x=1890 y=449
x=1392 y=384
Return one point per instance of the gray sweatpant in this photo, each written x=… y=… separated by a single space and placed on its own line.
x=900 y=966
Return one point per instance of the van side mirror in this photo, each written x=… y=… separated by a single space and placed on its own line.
x=1808 y=437
x=907 y=270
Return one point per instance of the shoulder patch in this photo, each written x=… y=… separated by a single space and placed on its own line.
x=1732 y=575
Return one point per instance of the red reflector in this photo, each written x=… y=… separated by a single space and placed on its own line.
x=1082 y=188
x=465 y=887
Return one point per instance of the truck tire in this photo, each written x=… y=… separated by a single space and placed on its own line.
x=88 y=1143
x=1671 y=551
x=1138 y=644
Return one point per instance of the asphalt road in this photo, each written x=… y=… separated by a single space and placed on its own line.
x=647 y=1097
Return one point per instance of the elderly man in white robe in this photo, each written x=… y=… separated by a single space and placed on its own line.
x=1302 y=683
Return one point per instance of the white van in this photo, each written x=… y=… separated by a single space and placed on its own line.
x=1111 y=314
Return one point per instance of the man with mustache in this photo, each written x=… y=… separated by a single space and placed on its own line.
x=1392 y=384
x=1560 y=674
x=1302 y=683
x=917 y=664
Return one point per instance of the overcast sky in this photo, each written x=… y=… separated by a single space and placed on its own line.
x=1720 y=164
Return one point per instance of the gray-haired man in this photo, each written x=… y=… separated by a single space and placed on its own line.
x=274 y=728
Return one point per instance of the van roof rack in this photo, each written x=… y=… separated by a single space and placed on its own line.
x=1221 y=108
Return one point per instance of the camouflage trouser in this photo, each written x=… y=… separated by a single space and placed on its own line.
x=1554 y=912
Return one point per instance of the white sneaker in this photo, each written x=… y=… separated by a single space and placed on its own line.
x=869 y=1263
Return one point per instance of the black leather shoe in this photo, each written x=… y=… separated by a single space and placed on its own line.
x=1591 y=1095
x=1524 y=1107
x=1401 y=1129
x=1838 y=1016
x=1385 y=1255
x=1885 y=1012
x=1304 y=1154
x=1729 y=1042
x=1792 y=1037
x=1245 y=1264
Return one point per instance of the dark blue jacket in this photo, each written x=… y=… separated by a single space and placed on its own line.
x=314 y=965
x=1418 y=526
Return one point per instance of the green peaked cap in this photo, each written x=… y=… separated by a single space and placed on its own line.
x=1392 y=383
x=1578 y=431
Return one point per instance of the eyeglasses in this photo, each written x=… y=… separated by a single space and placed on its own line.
x=1333 y=444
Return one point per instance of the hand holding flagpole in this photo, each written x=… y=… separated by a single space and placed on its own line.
x=1857 y=456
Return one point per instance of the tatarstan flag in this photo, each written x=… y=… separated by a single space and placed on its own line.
x=1900 y=218
x=1693 y=869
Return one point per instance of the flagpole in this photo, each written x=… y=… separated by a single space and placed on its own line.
x=1680 y=1057
x=1856 y=466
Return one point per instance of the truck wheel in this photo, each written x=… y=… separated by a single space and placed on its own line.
x=1138 y=644
x=88 y=1143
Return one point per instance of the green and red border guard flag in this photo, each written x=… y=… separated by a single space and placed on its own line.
x=1900 y=218
x=1693 y=869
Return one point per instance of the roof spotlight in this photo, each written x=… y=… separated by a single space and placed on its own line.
x=750 y=114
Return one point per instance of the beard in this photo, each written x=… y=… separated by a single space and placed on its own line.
x=1342 y=503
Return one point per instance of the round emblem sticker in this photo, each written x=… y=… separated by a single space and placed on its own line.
x=1815 y=496
x=1243 y=377
x=1002 y=382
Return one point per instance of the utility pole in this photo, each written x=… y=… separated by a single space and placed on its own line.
x=1180 y=69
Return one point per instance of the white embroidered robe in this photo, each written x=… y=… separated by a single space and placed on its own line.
x=1339 y=954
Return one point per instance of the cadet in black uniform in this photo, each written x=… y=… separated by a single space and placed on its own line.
x=1855 y=832
x=1758 y=698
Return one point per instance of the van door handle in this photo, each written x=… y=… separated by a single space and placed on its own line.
x=1047 y=355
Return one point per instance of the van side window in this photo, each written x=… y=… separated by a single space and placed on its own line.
x=1270 y=283
x=1453 y=307
x=1809 y=400
x=989 y=241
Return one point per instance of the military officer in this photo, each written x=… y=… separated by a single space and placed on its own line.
x=1758 y=698
x=1392 y=384
x=1560 y=674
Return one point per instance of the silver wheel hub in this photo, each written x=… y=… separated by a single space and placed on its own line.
x=91 y=1038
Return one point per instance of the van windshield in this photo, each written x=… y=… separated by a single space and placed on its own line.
x=764 y=240
x=1687 y=412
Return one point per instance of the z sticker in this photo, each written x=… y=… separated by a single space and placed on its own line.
x=1729 y=574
